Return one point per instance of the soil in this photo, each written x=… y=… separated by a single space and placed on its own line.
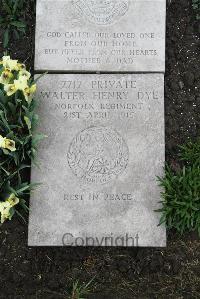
x=172 y=272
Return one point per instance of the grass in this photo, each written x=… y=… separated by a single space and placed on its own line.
x=79 y=291
x=190 y=152
x=181 y=191
x=196 y=7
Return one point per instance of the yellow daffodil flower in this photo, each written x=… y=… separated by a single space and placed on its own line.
x=24 y=74
x=5 y=59
x=7 y=144
x=10 y=145
x=6 y=76
x=29 y=91
x=10 y=89
x=33 y=88
x=10 y=63
x=13 y=200
x=21 y=66
x=21 y=83
x=5 y=207
x=5 y=211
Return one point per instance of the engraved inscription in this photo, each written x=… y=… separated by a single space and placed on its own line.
x=98 y=155
x=101 y=12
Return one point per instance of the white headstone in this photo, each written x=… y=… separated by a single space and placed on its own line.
x=99 y=164
x=106 y=36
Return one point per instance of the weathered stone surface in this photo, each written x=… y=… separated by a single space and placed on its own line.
x=98 y=165
x=113 y=36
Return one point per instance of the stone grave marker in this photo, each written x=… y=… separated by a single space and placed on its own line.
x=99 y=164
x=106 y=36
x=105 y=142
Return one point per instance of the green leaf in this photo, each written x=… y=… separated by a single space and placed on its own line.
x=15 y=6
x=37 y=138
x=18 y=24
x=28 y=122
x=12 y=107
x=16 y=34
x=6 y=7
x=6 y=38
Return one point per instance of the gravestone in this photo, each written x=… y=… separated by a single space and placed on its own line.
x=99 y=164
x=105 y=142
x=106 y=36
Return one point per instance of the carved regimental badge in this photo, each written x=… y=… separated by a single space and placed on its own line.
x=101 y=12
x=98 y=155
